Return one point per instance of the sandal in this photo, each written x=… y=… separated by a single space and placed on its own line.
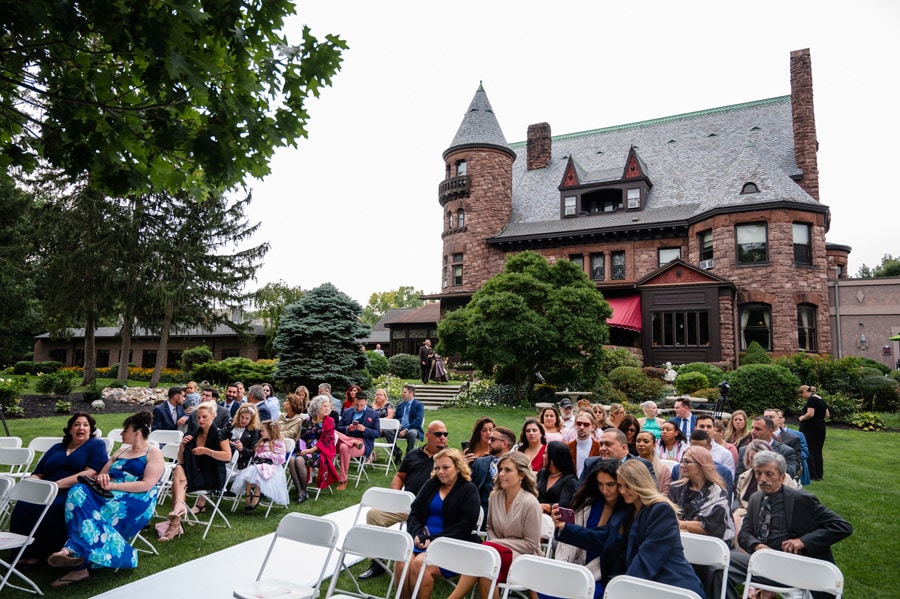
x=69 y=579
x=176 y=514
x=251 y=505
x=64 y=559
x=198 y=509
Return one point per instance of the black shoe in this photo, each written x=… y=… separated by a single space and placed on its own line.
x=373 y=571
x=303 y=496
x=398 y=457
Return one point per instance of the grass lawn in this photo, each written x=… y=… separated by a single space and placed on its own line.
x=862 y=479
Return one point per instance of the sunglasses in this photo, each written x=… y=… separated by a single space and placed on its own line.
x=440 y=433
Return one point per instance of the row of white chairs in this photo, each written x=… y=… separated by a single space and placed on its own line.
x=26 y=490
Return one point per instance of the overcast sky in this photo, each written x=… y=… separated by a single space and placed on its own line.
x=356 y=203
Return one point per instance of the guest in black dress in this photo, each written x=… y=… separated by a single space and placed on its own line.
x=556 y=482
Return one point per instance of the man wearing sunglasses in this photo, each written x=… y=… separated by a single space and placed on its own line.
x=484 y=469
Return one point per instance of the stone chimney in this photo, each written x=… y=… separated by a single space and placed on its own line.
x=539 y=146
x=804 y=117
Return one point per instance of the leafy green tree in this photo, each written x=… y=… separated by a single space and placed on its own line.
x=381 y=302
x=318 y=340
x=532 y=318
x=889 y=267
x=144 y=96
x=269 y=303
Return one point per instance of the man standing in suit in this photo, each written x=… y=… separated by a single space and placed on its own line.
x=411 y=414
x=684 y=420
x=426 y=359
x=170 y=415
x=762 y=428
x=584 y=445
x=783 y=519
x=361 y=422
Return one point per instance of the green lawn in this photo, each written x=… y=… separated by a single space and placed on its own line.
x=862 y=479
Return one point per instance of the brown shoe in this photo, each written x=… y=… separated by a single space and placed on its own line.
x=342 y=486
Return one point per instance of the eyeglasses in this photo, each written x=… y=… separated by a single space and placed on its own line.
x=582 y=423
x=687 y=462
x=440 y=433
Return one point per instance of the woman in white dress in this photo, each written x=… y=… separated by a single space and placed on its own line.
x=265 y=473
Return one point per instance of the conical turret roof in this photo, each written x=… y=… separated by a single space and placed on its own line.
x=479 y=127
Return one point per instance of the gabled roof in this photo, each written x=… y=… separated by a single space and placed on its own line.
x=429 y=313
x=693 y=275
x=479 y=127
x=221 y=330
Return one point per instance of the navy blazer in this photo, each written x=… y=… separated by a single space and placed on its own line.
x=604 y=541
x=370 y=420
x=677 y=422
x=416 y=411
x=162 y=417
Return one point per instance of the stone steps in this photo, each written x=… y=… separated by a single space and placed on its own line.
x=434 y=396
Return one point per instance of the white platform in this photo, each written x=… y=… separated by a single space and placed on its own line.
x=217 y=574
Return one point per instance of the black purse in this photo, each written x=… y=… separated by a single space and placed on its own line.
x=91 y=483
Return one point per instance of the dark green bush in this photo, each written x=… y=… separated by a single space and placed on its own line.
x=713 y=374
x=841 y=407
x=195 y=355
x=636 y=386
x=755 y=354
x=378 y=364
x=709 y=393
x=756 y=387
x=867 y=421
x=689 y=382
x=895 y=374
x=655 y=373
x=58 y=383
x=26 y=367
x=879 y=394
x=870 y=363
x=867 y=371
x=114 y=370
x=615 y=358
x=92 y=392
x=236 y=369
x=405 y=366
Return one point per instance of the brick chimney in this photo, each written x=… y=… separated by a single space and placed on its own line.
x=804 y=117
x=539 y=146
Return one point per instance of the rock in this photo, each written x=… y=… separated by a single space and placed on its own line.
x=137 y=396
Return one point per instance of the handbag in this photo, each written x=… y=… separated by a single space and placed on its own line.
x=91 y=483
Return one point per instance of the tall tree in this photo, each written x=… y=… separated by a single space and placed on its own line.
x=318 y=340
x=379 y=303
x=139 y=96
x=889 y=267
x=532 y=318
x=269 y=303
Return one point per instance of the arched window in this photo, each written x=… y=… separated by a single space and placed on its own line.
x=756 y=325
x=449 y=220
x=749 y=188
x=461 y=219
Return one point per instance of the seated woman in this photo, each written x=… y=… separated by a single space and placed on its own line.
x=553 y=427
x=671 y=443
x=513 y=520
x=651 y=422
x=447 y=506
x=653 y=550
x=265 y=474
x=629 y=425
x=701 y=496
x=479 y=445
x=294 y=413
x=533 y=443
x=243 y=433
x=99 y=529
x=381 y=405
x=316 y=450
x=597 y=538
x=350 y=397
x=646 y=448
x=556 y=482
x=616 y=414
x=745 y=486
x=202 y=457
x=78 y=453
x=737 y=431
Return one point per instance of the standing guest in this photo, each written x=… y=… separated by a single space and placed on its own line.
x=320 y=449
x=651 y=421
x=426 y=360
x=654 y=550
x=672 y=442
x=291 y=420
x=99 y=529
x=479 y=444
x=738 y=431
x=533 y=443
x=646 y=447
x=556 y=482
x=256 y=396
x=232 y=400
x=567 y=414
x=629 y=425
x=378 y=350
x=265 y=474
x=79 y=453
x=812 y=425
x=513 y=520
x=362 y=424
x=553 y=427
x=616 y=414
x=350 y=397
x=411 y=414
x=170 y=415
x=684 y=419
x=584 y=445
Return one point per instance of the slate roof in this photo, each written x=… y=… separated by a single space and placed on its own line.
x=697 y=162
x=479 y=127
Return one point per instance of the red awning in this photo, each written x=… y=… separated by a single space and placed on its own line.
x=626 y=312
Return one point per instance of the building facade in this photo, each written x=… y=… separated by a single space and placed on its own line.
x=703 y=230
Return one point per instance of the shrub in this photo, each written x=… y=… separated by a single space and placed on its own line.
x=57 y=383
x=867 y=421
x=484 y=393
x=378 y=364
x=867 y=371
x=615 y=358
x=393 y=385
x=709 y=393
x=655 y=373
x=895 y=374
x=195 y=355
x=841 y=407
x=637 y=386
x=544 y=392
x=690 y=382
x=406 y=366
x=870 y=363
x=879 y=394
x=755 y=354
x=62 y=407
x=756 y=387
x=714 y=374
x=113 y=370
x=236 y=369
x=26 y=367
x=92 y=393
x=11 y=391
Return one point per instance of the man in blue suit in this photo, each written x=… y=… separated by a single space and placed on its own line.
x=684 y=420
x=362 y=422
x=411 y=414
x=170 y=414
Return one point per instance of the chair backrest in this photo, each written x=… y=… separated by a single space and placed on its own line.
x=42 y=444
x=109 y=444
x=10 y=442
x=16 y=458
x=550 y=577
x=670 y=464
x=309 y=530
x=164 y=437
x=703 y=550
x=462 y=557
x=390 y=424
x=115 y=434
x=34 y=490
x=289 y=445
x=548 y=529
x=170 y=452
x=387 y=500
x=375 y=542
x=630 y=587
x=6 y=483
x=797 y=571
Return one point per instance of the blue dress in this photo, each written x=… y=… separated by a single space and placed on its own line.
x=100 y=529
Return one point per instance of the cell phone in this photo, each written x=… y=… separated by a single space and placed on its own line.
x=426 y=532
x=465 y=446
x=566 y=515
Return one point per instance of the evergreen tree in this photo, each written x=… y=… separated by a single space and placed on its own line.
x=318 y=340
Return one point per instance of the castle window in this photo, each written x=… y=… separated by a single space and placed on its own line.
x=756 y=325
x=461 y=168
x=749 y=188
x=578 y=260
x=634 y=197
x=569 y=208
x=457 y=268
x=666 y=255
x=602 y=200
x=449 y=220
x=618 y=266
x=806 y=328
x=597 y=267
x=706 y=245
x=802 y=244
x=461 y=218
x=445 y=274
x=752 y=244
x=681 y=329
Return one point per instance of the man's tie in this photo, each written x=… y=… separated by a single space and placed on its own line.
x=684 y=427
x=765 y=519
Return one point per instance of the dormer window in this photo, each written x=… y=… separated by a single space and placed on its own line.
x=461 y=168
x=569 y=206
x=749 y=188
x=634 y=198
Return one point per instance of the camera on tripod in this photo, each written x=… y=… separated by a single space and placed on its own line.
x=724 y=388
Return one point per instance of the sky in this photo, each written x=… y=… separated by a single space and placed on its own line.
x=355 y=204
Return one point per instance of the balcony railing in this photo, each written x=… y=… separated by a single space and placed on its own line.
x=451 y=189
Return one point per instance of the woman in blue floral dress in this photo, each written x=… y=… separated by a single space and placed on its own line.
x=99 y=528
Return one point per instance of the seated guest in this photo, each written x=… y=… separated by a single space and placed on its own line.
x=479 y=444
x=553 y=427
x=646 y=446
x=243 y=433
x=672 y=442
x=271 y=401
x=223 y=414
x=513 y=520
x=191 y=397
x=718 y=436
x=654 y=550
x=556 y=482
x=79 y=453
x=319 y=449
x=613 y=446
x=362 y=425
x=602 y=418
x=265 y=474
x=745 y=486
x=629 y=425
x=738 y=431
x=294 y=413
x=699 y=438
x=170 y=415
x=533 y=443
x=256 y=396
x=99 y=529
x=651 y=422
x=350 y=397
x=763 y=428
x=720 y=455
x=584 y=445
x=597 y=537
x=381 y=405
x=566 y=413
x=616 y=414
x=484 y=469
x=445 y=506
x=202 y=457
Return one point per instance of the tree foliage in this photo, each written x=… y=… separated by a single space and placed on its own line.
x=889 y=267
x=381 y=302
x=532 y=318
x=160 y=96
x=269 y=303
x=318 y=340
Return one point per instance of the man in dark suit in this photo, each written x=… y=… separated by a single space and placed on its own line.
x=426 y=360
x=361 y=422
x=783 y=519
x=170 y=414
x=613 y=445
x=684 y=419
x=232 y=400
x=256 y=396
x=223 y=416
x=762 y=428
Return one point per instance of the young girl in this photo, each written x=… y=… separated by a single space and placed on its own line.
x=265 y=474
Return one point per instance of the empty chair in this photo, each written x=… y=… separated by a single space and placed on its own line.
x=163 y=437
x=14 y=461
x=296 y=528
x=630 y=587
x=462 y=557
x=10 y=442
x=383 y=544
x=33 y=491
x=388 y=424
x=712 y=552
x=793 y=572
x=549 y=577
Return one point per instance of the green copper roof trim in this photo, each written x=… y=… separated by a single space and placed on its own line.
x=665 y=119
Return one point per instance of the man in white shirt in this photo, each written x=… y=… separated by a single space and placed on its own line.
x=566 y=413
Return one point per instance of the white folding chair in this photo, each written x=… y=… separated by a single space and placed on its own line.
x=164 y=437
x=289 y=445
x=793 y=573
x=109 y=444
x=384 y=499
x=549 y=577
x=670 y=464
x=375 y=543
x=213 y=500
x=16 y=460
x=462 y=557
x=170 y=455
x=548 y=529
x=115 y=435
x=37 y=492
x=298 y=528
x=6 y=485
x=630 y=587
x=40 y=445
x=10 y=442
x=712 y=552
x=388 y=424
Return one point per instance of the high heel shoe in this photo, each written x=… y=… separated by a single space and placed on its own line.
x=175 y=529
x=251 y=505
x=176 y=514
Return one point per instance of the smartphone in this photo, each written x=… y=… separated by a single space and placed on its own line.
x=566 y=515
x=465 y=446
